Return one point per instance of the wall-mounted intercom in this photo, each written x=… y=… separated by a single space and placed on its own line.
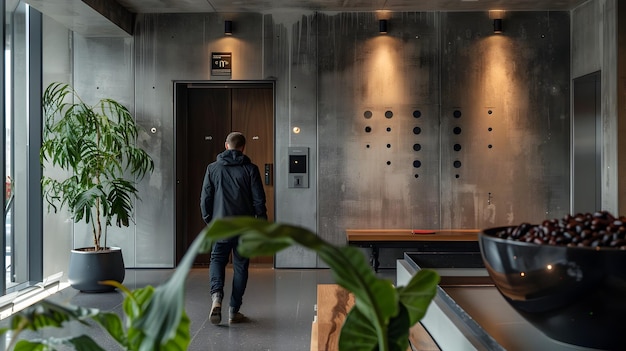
x=298 y=176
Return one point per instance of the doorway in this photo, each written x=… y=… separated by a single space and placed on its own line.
x=587 y=144
x=205 y=113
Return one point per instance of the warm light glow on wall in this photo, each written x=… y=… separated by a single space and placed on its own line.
x=384 y=80
x=497 y=64
x=496 y=14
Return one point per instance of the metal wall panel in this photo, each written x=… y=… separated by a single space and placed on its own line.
x=379 y=123
x=290 y=46
x=169 y=48
x=330 y=70
x=588 y=21
x=493 y=135
x=512 y=93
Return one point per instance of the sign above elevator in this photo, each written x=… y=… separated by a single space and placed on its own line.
x=221 y=63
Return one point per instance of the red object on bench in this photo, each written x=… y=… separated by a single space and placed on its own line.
x=422 y=231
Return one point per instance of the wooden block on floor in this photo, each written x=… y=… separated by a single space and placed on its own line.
x=333 y=304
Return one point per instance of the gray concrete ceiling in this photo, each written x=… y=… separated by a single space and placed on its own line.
x=177 y=6
x=109 y=18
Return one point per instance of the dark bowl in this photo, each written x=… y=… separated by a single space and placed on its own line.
x=575 y=295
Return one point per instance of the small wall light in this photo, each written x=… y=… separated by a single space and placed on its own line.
x=228 y=27
x=497 y=25
x=382 y=26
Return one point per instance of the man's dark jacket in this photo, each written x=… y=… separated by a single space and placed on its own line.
x=232 y=187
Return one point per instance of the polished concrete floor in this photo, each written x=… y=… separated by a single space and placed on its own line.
x=280 y=305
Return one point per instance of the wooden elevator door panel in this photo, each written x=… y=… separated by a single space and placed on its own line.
x=253 y=112
x=211 y=114
x=209 y=123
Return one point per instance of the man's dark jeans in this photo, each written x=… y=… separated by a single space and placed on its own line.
x=217 y=270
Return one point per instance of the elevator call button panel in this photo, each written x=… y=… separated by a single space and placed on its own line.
x=298 y=175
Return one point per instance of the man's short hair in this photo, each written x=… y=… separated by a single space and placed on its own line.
x=236 y=140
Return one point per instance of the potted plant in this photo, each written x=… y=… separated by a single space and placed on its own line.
x=95 y=145
x=155 y=318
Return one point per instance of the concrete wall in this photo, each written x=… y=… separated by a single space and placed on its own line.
x=468 y=129
x=434 y=83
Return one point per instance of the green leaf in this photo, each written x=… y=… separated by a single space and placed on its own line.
x=418 y=293
x=399 y=329
x=376 y=298
x=112 y=323
x=156 y=319
x=357 y=332
x=50 y=314
x=161 y=319
x=81 y=343
x=181 y=339
x=25 y=345
x=84 y=343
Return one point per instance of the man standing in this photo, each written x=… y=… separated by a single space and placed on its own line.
x=232 y=187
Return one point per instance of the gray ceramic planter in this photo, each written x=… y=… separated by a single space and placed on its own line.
x=88 y=267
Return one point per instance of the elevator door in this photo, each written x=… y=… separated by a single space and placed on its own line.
x=209 y=113
x=587 y=144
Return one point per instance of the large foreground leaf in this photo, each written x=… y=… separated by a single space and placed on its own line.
x=380 y=319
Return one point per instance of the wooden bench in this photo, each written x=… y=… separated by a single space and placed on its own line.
x=333 y=304
x=405 y=239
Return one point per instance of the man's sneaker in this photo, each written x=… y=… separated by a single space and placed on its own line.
x=236 y=317
x=216 y=309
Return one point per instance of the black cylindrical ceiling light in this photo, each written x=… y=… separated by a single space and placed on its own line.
x=382 y=26
x=497 y=25
x=228 y=27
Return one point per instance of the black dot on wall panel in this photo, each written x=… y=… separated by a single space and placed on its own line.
x=456 y=114
x=490 y=129
x=417 y=114
x=457 y=147
x=417 y=164
x=388 y=146
x=417 y=130
x=457 y=176
x=457 y=130
x=457 y=164
x=388 y=163
x=388 y=114
x=367 y=114
x=389 y=129
x=417 y=175
x=417 y=147
x=490 y=146
x=489 y=112
x=367 y=146
x=368 y=129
